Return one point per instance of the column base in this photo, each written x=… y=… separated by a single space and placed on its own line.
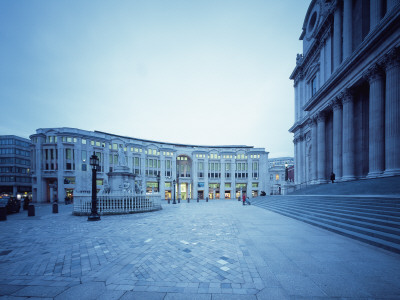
x=348 y=178
x=374 y=174
x=391 y=172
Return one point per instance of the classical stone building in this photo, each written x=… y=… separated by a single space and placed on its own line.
x=60 y=166
x=347 y=91
x=277 y=172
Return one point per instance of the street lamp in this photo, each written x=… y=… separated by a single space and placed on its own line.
x=94 y=162
x=173 y=184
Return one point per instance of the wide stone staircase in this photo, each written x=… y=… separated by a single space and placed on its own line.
x=374 y=219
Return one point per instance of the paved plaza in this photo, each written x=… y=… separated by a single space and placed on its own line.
x=215 y=250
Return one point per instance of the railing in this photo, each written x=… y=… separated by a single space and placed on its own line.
x=116 y=203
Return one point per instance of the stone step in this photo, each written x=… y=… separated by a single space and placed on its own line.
x=387 y=245
x=377 y=226
x=384 y=228
x=360 y=235
x=383 y=216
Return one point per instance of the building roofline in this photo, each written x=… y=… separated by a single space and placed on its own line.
x=174 y=144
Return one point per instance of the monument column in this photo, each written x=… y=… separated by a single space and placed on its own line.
x=348 y=136
x=337 y=37
x=314 y=150
x=375 y=9
x=392 y=113
x=347 y=28
x=321 y=147
x=376 y=121
x=337 y=138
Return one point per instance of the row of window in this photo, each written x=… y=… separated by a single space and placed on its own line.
x=14 y=151
x=13 y=160
x=13 y=170
x=15 y=179
x=14 y=142
x=227 y=185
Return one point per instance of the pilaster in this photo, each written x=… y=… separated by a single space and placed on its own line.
x=337 y=37
x=347 y=28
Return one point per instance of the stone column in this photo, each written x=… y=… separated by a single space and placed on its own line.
x=392 y=113
x=347 y=28
x=296 y=161
x=337 y=138
x=321 y=147
x=337 y=38
x=375 y=9
x=376 y=121
x=314 y=150
x=304 y=158
x=296 y=100
x=301 y=159
x=348 y=136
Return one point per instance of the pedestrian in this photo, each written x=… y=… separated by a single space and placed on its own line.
x=248 y=201
x=244 y=199
x=333 y=177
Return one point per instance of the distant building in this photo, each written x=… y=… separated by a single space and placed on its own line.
x=61 y=166
x=347 y=91
x=277 y=170
x=15 y=162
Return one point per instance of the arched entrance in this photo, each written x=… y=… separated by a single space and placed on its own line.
x=184 y=177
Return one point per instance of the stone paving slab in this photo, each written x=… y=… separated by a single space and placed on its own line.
x=214 y=250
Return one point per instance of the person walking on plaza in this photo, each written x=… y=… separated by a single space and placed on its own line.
x=244 y=199
x=333 y=177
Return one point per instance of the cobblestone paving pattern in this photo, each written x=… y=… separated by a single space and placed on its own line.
x=215 y=249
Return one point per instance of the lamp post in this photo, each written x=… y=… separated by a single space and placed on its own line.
x=173 y=185
x=94 y=162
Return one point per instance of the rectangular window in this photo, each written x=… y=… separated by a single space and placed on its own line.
x=84 y=167
x=84 y=141
x=115 y=146
x=84 y=155
x=98 y=144
x=68 y=153
x=313 y=86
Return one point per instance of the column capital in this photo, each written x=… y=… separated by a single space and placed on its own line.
x=391 y=59
x=346 y=95
x=336 y=103
x=321 y=116
x=312 y=121
x=373 y=73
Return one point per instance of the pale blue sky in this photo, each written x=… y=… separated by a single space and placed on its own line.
x=191 y=72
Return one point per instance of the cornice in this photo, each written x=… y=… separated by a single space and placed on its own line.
x=387 y=24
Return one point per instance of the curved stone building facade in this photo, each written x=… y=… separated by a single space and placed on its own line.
x=347 y=91
x=60 y=166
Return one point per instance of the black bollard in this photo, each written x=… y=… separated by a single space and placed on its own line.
x=179 y=200
x=31 y=210
x=206 y=199
x=3 y=213
x=169 y=201
x=55 y=208
x=197 y=199
x=188 y=200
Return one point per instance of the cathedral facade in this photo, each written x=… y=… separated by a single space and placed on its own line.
x=347 y=91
